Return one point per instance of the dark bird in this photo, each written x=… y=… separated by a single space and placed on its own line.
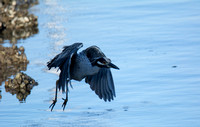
x=91 y=64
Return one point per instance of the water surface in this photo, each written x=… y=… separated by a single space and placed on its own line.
x=155 y=44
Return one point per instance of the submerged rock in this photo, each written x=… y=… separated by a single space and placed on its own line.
x=20 y=85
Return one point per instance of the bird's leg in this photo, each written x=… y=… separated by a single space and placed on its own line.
x=66 y=99
x=55 y=100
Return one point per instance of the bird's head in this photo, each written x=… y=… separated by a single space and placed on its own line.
x=104 y=62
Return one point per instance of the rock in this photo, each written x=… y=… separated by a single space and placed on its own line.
x=16 y=23
x=20 y=96
x=26 y=19
x=1 y=5
x=23 y=91
x=6 y=83
x=22 y=88
x=14 y=15
x=18 y=75
x=12 y=60
x=22 y=85
x=14 y=3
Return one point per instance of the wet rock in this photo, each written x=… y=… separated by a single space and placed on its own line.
x=12 y=55
x=20 y=85
x=15 y=21
x=12 y=60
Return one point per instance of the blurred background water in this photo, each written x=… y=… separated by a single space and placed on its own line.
x=156 y=45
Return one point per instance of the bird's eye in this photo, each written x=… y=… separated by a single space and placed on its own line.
x=101 y=63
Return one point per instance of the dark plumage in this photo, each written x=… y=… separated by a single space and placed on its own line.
x=91 y=64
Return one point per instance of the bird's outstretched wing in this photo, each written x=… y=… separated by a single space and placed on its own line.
x=63 y=61
x=102 y=83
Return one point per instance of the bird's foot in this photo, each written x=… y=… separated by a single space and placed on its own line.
x=53 y=104
x=64 y=103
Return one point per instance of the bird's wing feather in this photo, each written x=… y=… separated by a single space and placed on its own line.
x=102 y=83
x=59 y=59
x=63 y=61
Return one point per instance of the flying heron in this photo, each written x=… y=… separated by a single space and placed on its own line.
x=91 y=64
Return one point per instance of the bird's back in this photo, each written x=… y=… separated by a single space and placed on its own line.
x=93 y=52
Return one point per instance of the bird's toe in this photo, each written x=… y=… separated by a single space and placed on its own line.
x=64 y=103
x=53 y=104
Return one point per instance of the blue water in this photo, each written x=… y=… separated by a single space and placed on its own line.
x=156 y=44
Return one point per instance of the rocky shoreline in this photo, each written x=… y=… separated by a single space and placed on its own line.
x=16 y=22
x=12 y=60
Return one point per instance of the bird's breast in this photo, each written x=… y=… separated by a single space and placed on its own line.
x=81 y=67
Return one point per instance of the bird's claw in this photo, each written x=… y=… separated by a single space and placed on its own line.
x=53 y=104
x=64 y=103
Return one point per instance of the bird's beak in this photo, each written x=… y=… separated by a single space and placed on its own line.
x=111 y=65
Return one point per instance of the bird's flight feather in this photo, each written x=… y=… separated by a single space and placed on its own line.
x=102 y=83
x=63 y=61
